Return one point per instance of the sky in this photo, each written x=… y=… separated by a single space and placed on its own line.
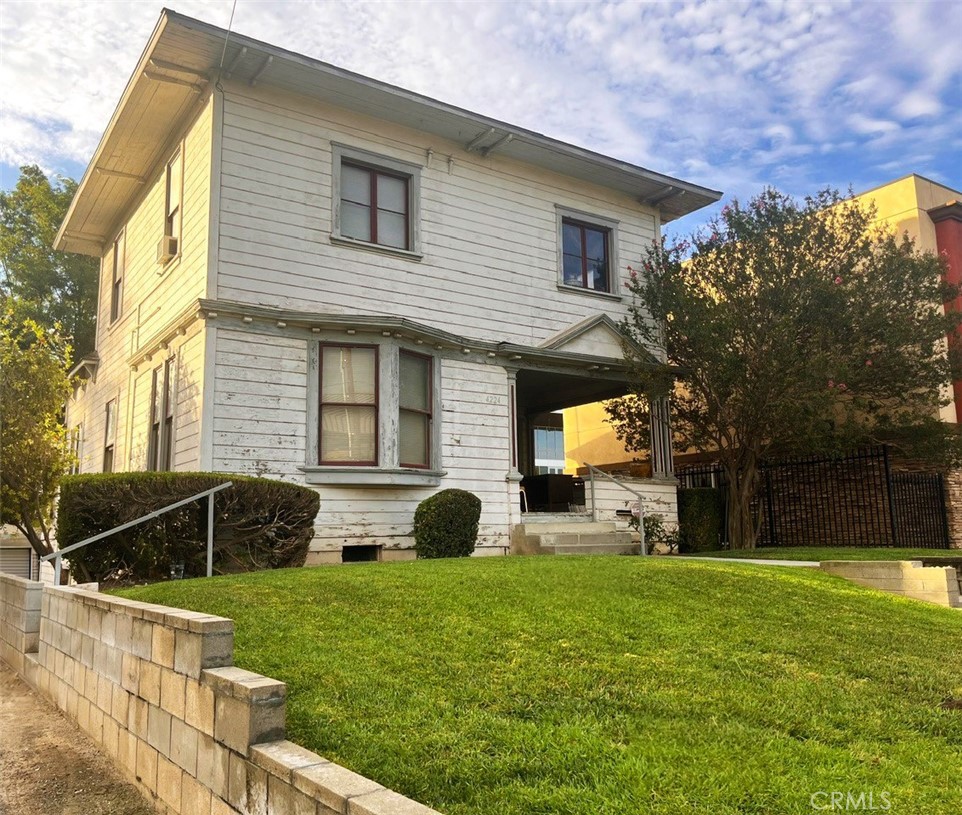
x=729 y=94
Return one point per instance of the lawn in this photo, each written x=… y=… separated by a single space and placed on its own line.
x=834 y=553
x=606 y=686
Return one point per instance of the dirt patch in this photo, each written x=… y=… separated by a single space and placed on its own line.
x=48 y=766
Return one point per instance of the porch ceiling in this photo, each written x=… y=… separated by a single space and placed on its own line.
x=542 y=391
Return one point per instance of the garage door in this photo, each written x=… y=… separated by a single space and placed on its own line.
x=17 y=562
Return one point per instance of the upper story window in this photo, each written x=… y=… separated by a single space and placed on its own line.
x=110 y=435
x=348 y=405
x=375 y=201
x=117 y=278
x=170 y=245
x=587 y=249
x=162 y=402
x=374 y=206
x=585 y=253
x=415 y=400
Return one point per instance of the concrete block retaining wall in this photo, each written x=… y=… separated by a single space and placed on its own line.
x=155 y=688
x=935 y=584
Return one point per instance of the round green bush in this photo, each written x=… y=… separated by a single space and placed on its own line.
x=446 y=524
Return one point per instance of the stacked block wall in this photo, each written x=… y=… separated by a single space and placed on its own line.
x=156 y=689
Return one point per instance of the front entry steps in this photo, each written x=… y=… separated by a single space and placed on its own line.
x=570 y=534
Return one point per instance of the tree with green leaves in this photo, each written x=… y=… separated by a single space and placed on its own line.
x=34 y=448
x=55 y=288
x=796 y=329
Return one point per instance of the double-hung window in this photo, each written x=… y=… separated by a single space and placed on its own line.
x=585 y=255
x=414 y=409
x=374 y=206
x=110 y=435
x=375 y=201
x=162 y=403
x=76 y=448
x=587 y=252
x=117 y=278
x=348 y=405
x=173 y=195
x=375 y=411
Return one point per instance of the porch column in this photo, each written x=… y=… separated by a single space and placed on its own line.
x=662 y=465
x=514 y=474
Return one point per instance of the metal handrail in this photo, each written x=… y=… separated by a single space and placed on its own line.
x=641 y=504
x=58 y=555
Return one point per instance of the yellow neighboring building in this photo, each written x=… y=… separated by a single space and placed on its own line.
x=927 y=211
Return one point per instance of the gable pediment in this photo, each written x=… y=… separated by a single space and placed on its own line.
x=597 y=336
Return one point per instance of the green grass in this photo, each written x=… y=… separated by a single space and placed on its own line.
x=606 y=686
x=834 y=553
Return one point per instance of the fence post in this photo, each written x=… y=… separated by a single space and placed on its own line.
x=769 y=497
x=210 y=535
x=891 y=494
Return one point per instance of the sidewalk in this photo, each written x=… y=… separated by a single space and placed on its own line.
x=48 y=766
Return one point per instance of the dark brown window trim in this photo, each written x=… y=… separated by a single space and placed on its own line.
x=321 y=404
x=117 y=280
x=583 y=225
x=373 y=173
x=429 y=412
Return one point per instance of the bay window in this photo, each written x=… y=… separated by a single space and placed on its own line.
x=414 y=410
x=348 y=405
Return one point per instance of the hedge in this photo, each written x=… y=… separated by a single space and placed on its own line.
x=701 y=513
x=446 y=524
x=259 y=523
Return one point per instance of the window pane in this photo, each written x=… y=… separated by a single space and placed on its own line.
x=595 y=241
x=173 y=184
x=110 y=420
x=355 y=184
x=571 y=239
x=392 y=193
x=348 y=433
x=355 y=221
x=348 y=375
x=169 y=383
x=391 y=229
x=572 y=270
x=415 y=382
x=598 y=275
x=413 y=439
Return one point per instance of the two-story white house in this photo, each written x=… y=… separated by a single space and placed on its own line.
x=311 y=275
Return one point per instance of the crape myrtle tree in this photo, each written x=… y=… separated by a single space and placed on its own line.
x=54 y=288
x=34 y=448
x=794 y=329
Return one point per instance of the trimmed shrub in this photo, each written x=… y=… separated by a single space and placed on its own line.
x=701 y=513
x=259 y=523
x=446 y=524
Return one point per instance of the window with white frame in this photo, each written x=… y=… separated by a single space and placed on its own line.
x=118 y=267
x=162 y=404
x=173 y=198
x=110 y=435
x=376 y=200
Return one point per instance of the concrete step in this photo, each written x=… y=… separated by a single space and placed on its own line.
x=597 y=549
x=588 y=527
x=572 y=543
x=557 y=518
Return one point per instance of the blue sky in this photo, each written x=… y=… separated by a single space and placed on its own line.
x=733 y=95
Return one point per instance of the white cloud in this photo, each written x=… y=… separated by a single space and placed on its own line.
x=728 y=94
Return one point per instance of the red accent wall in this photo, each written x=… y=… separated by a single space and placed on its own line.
x=948 y=236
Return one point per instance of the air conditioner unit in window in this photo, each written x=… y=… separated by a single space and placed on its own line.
x=166 y=249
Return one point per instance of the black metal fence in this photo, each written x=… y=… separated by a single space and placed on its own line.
x=852 y=501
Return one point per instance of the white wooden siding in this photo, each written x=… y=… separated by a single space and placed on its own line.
x=659 y=498
x=488 y=227
x=152 y=298
x=260 y=417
